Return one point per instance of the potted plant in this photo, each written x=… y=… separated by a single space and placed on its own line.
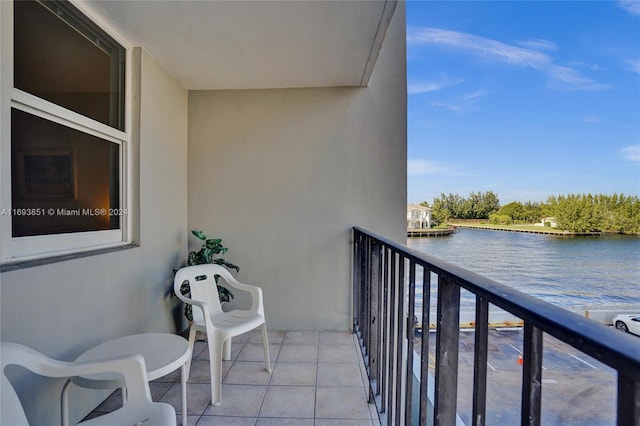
x=209 y=251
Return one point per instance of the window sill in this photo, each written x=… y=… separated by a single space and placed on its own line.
x=13 y=265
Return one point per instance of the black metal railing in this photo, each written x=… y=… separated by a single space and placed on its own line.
x=384 y=297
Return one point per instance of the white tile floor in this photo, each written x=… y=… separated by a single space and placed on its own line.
x=317 y=379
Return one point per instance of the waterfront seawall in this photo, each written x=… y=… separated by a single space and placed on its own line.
x=430 y=232
x=528 y=231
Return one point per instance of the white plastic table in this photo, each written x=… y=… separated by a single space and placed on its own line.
x=162 y=353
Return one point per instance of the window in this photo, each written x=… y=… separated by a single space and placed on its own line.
x=62 y=57
x=63 y=130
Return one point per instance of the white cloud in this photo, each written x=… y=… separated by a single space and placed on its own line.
x=634 y=66
x=414 y=87
x=447 y=105
x=631 y=153
x=538 y=44
x=461 y=103
x=581 y=64
x=563 y=77
x=475 y=95
x=424 y=167
x=478 y=45
x=572 y=79
x=631 y=6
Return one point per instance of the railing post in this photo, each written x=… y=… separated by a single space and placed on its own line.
x=480 y=362
x=384 y=369
x=374 y=334
x=424 y=351
x=410 y=338
x=628 y=401
x=447 y=340
x=532 y=376
x=357 y=278
x=365 y=298
x=400 y=340
x=391 y=373
x=381 y=320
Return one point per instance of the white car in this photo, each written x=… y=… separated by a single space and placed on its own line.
x=629 y=323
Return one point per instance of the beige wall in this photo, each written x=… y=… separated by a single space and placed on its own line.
x=64 y=308
x=283 y=175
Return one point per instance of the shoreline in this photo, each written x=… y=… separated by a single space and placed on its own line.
x=530 y=231
x=431 y=232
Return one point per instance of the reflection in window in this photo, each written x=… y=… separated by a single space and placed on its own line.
x=63 y=58
x=63 y=180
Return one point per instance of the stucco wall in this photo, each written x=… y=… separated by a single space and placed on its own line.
x=283 y=175
x=64 y=308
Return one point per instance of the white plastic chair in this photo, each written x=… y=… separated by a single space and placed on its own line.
x=139 y=408
x=219 y=326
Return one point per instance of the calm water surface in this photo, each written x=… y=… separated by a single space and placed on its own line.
x=565 y=271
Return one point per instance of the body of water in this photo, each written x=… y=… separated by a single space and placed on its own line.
x=565 y=271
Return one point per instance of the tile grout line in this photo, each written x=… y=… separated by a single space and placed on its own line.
x=275 y=363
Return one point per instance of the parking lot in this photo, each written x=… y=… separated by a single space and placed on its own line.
x=576 y=389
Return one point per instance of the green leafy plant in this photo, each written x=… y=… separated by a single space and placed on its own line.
x=208 y=253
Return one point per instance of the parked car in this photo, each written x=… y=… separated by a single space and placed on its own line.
x=629 y=323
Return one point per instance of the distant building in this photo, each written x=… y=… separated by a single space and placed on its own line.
x=548 y=221
x=418 y=216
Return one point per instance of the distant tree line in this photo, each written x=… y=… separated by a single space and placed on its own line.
x=617 y=213
x=592 y=213
x=477 y=206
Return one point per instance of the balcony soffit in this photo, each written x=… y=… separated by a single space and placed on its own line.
x=258 y=44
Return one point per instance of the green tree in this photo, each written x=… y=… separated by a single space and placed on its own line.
x=515 y=210
x=596 y=213
x=617 y=213
x=483 y=204
x=533 y=212
x=500 y=219
x=441 y=211
x=477 y=206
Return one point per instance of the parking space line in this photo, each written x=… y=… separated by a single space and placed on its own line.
x=582 y=361
x=491 y=367
x=517 y=350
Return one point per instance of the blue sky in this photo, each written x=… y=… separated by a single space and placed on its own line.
x=526 y=99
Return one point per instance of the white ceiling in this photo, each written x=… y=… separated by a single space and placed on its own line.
x=254 y=44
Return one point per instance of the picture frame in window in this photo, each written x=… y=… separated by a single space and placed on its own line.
x=47 y=174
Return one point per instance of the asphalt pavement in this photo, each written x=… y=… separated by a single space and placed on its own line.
x=576 y=389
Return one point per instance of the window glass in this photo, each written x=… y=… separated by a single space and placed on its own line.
x=63 y=180
x=63 y=58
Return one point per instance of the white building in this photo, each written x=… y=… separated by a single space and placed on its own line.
x=418 y=216
x=548 y=221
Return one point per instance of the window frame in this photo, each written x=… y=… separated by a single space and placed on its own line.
x=23 y=249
